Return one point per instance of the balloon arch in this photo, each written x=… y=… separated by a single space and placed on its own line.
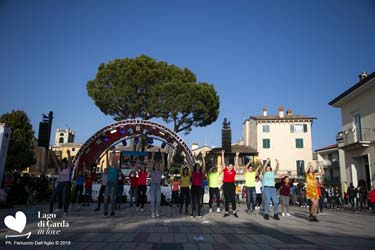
x=112 y=134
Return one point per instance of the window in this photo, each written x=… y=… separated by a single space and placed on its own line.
x=61 y=134
x=299 y=143
x=266 y=143
x=357 y=125
x=61 y=140
x=266 y=128
x=73 y=149
x=300 y=168
x=298 y=128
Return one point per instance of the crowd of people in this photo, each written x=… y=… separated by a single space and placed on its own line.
x=260 y=190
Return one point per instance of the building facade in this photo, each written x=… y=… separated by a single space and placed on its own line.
x=329 y=158
x=64 y=136
x=285 y=137
x=356 y=140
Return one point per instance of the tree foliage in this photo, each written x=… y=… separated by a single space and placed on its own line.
x=144 y=88
x=20 y=152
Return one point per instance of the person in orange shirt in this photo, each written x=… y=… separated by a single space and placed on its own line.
x=175 y=186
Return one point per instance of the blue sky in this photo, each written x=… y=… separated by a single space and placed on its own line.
x=299 y=54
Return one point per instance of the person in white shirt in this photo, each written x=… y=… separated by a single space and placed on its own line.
x=258 y=192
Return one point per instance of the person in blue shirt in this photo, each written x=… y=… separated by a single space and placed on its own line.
x=269 y=189
x=110 y=189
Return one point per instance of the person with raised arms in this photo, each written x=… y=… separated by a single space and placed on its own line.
x=269 y=189
x=250 y=175
x=312 y=190
x=214 y=193
x=229 y=174
x=155 y=186
x=196 y=189
x=185 y=174
x=63 y=182
x=110 y=189
x=141 y=186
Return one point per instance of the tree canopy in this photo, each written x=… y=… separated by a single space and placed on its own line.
x=145 y=88
x=20 y=152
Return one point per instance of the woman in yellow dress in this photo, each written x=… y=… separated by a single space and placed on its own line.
x=312 y=190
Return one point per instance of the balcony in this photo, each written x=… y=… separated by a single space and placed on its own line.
x=353 y=139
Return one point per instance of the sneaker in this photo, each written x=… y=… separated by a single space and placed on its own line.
x=282 y=214
x=157 y=214
x=192 y=215
x=266 y=217
x=288 y=214
x=218 y=210
x=199 y=216
x=226 y=214
x=153 y=215
x=276 y=217
x=142 y=210
x=210 y=210
x=314 y=219
x=235 y=214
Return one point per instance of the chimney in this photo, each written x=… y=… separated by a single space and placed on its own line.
x=281 y=112
x=264 y=111
x=226 y=136
x=289 y=112
x=362 y=76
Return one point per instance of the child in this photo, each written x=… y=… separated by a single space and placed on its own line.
x=175 y=185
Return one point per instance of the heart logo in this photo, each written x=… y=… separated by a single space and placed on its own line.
x=17 y=223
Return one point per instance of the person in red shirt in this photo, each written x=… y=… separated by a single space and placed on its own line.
x=141 y=187
x=196 y=189
x=89 y=179
x=133 y=179
x=229 y=187
x=371 y=197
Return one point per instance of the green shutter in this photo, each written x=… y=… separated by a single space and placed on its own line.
x=291 y=128
x=305 y=128
x=266 y=143
x=299 y=143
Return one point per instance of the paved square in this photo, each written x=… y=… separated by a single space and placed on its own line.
x=129 y=229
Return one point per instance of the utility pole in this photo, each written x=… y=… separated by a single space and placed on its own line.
x=44 y=136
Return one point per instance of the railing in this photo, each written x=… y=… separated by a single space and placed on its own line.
x=352 y=136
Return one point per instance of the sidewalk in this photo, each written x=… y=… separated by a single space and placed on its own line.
x=135 y=230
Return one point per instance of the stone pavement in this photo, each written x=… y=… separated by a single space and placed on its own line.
x=135 y=230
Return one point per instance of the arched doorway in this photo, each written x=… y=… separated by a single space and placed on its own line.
x=116 y=132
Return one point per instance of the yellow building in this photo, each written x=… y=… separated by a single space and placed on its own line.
x=285 y=136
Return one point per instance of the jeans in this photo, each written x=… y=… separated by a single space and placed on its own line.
x=64 y=188
x=285 y=203
x=214 y=193
x=110 y=189
x=229 y=195
x=155 y=193
x=141 y=195
x=119 y=191
x=270 y=194
x=132 y=194
x=196 y=192
x=250 y=197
